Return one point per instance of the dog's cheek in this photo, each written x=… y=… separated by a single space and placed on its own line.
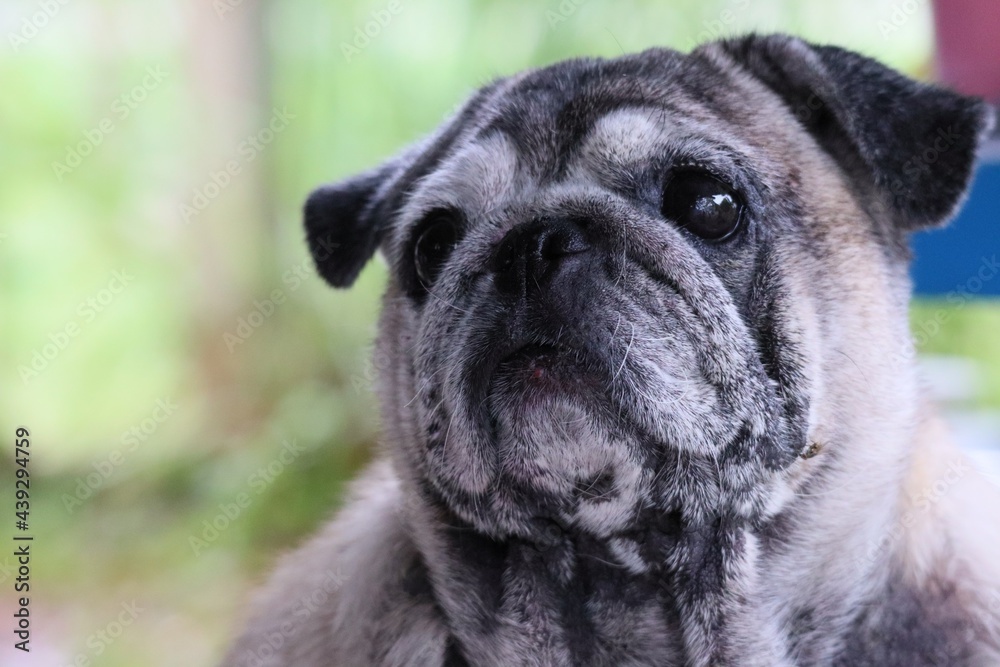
x=455 y=442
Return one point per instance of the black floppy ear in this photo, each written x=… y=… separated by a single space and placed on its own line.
x=346 y=221
x=342 y=229
x=914 y=142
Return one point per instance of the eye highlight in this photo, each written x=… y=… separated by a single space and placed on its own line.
x=435 y=236
x=703 y=205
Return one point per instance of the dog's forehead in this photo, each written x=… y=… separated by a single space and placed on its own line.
x=548 y=113
x=583 y=119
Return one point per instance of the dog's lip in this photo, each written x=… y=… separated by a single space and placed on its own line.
x=506 y=363
x=539 y=366
x=528 y=352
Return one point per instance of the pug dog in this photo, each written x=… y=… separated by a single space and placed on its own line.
x=649 y=397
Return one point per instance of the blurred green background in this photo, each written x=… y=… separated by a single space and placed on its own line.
x=163 y=331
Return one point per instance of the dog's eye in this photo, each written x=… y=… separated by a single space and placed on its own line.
x=703 y=205
x=437 y=234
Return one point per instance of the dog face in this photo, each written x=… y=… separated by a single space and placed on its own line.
x=628 y=285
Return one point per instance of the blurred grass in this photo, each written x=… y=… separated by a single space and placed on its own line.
x=302 y=373
x=969 y=331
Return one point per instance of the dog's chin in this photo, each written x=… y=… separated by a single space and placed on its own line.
x=557 y=456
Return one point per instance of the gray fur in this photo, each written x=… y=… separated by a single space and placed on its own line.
x=721 y=458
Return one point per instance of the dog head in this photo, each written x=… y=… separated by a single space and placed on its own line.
x=648 y=282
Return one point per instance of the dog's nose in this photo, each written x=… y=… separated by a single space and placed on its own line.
x=531 y=253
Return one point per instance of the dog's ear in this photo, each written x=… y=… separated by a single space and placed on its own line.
x=915 y=142
x=347 y=221
x=341 y=228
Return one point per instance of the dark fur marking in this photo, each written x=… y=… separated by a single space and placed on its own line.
x=415 y=581
x=453 y=655
x=909 y=628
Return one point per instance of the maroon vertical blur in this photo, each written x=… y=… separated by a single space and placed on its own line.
x=968 y=46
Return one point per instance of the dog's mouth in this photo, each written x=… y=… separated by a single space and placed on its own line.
x=536 y=359
x=541 y=369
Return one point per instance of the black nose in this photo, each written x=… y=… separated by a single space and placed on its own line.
x=531 y=253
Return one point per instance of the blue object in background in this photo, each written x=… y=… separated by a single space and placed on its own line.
x=961 y=259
